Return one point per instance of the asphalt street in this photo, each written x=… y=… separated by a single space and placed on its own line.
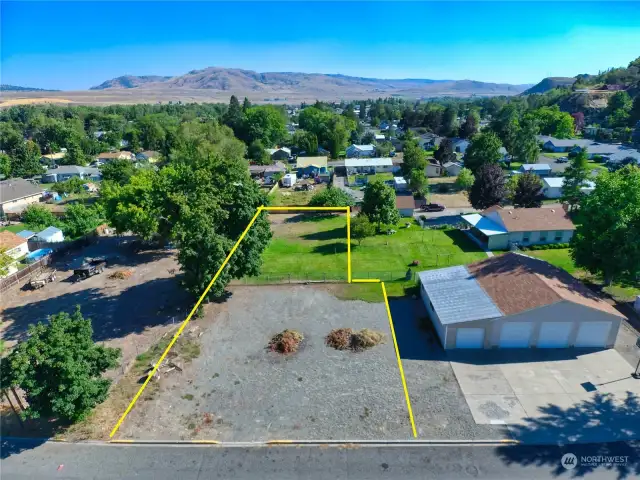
x=187 y=462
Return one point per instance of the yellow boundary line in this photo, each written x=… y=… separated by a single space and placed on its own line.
x=215 y=277
x=395 y=344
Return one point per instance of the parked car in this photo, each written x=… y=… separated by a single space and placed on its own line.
x=432 y=207
x=562 y=159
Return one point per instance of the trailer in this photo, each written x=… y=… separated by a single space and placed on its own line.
x=42 y=279
x=89 y=268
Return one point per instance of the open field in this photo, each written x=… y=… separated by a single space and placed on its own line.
x=452 y=197
x=289 y=197
x=14 y=227
x=30 y=101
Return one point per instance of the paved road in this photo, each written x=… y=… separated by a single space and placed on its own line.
x=87 y=461
x=338 y=182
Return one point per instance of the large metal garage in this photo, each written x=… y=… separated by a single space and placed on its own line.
x=515 y=301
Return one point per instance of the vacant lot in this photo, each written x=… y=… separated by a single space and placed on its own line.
x=444 y=190
x=239 y=390
x=290 y=197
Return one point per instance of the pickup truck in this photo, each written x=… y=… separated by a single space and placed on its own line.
x=89 y=268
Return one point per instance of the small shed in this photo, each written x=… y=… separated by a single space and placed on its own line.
x=405 y=205
x=50 y=235
x=552 y=187
x=26 y=234
x=540 y=169
x=400 y=184
x=289 y=180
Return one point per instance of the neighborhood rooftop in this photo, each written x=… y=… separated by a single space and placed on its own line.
x=9 y=240
x=17 y=188
x=368 y=162
x=66 y=169
x=320 y=161
x=528 y=219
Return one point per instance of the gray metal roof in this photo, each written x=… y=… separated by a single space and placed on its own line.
x=456 y=296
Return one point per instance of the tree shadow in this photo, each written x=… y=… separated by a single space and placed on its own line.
x=330 y=248
x=113 y=316
x=14 y=446
x=463 y=242
x=416 y=337
x=602 y=426
x=333 y=234
x=312 y=217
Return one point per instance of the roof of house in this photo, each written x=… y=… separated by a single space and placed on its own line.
x=517 y=283
x=534 y=219
x=399 y=181
x=115 y=155
x=452 y=164
x=405 y=201
x=484 y=224
x=456 y=296
x=368 y=162
x=276 y=167
x=379 y=137
x=9 y=240
x=54 y=156
x=271 y=151
x=363 y=148
x=26 y=234
x=66 y=169
x=48 y=232
x=565 y=142
x=536 y=167
x=17 y=188
x=149 y=153
x=553 y=182
x=302 y=162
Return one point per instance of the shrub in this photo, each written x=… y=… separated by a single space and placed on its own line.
x=366 y=338
x=286 y=342
x=339 y=338
x=120 y=274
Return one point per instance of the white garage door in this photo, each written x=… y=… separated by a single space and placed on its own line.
x=554 y=334
x=515 y=335
x=593 y=334
x=470 y=338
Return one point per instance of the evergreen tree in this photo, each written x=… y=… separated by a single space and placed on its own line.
x=575 y=177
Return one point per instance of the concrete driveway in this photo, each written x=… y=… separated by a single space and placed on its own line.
x=573 y=395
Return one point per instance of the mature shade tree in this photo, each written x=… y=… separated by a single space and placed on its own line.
x=444 y=153
x=465 y=179
x=266 y=123
x=361 y=228
x=363 y=111
x=528 y=193
x=510 y=187
x=152 y=133
x=246 y=104
x=484 y=150
x=575 y=178
x=526 y=146
x=368 y=138
x=615 y=166
x=448 y=127
x=10 y=138
x=413 y=165
x=36 y=218
x=306 y=142
x=619 y=101
x=471 y=125
x=234 y=115
x=506 y=124
x=80 y=219
x=384 y=149
x=118 y=171
x=418 y=181
x=5 y=165
x=25 y=161
x=331 y=197
x=554 y=122
x=488 y=189
x=132 y=137
x=257 y=153
x=59 y=368
x=332 y=131
x=379 y=204
x=73 y=185
x=606 y=238
x=634 y=113
x=5 y=262
x=74 y=156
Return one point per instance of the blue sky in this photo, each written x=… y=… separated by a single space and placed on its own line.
x=77 y=45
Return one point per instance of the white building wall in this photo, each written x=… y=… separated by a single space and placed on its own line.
x=19 y=251
x=440 y=329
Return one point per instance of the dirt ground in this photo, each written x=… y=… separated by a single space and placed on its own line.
x=453 y=199
x=130 y=313
x=239 y=390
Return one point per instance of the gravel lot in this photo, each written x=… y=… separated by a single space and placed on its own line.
x=237 y=390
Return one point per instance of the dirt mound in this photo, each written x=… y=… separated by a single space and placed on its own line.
x=286 y=342
x=347 y=339
x=120 y=274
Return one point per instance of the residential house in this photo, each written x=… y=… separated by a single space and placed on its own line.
x=357 y=151
x=370 y=165
x=552 y=187
x=90 y=187
x=515 y=301
x=400 y=184
x=49 y=235
x=13 y=245
x=282 y=153
x=26 y=234
x=590 y=130
x=460 y=145
x=148 y=156
x=405 y=205
x=311 y=166
x=52 y=158
x=16 y=194
x=433 y=169
x=267 y=172
x=540 y=169
x=498 y=228
x=65 y=172
x=453 y=168
x=380 y=138
x=429 y=141
x=106 y=157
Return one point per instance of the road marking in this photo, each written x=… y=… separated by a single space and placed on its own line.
x=395 y=344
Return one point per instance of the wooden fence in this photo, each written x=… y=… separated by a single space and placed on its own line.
x=15 y=278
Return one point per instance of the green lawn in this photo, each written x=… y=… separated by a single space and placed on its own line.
x=555 y=155
x=317 y=249
x=289 y=197
x=14 y=227
x=561 y=257
x=597 y=166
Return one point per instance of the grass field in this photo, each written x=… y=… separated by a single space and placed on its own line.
x=288 y=197
x=623 y=292
x=316 y=247
x=15 y=228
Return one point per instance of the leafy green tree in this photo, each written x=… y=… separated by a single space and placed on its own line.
x=414 y=165
x=384 y=149
x=606 y=238
x=379 y=204
x=418 y=181
x=554 y=122
x=5 y=165
x=484 y=150
x=465 y=179
x=488 y=189
x=444 y=153
x=619 y=101
x=152 y=134
x=26 y=160
x=448 y=127
x=361 y=228
x=368 y=138
x=266 y=123
x=5 y=262
x=246 y=104
x=510 y=187
x=575 y=178
x=80 y=220
x=118 y=171
x=36 y=217
x=258 y=154
x=73 y=185
x=363 y=111
x=305 y=141
x=234 y=116
x=634 y=112
x=10 y=138
x=526 y=146
x=74 y=156
x=331 y=197
x=471 y=125
x=528 y=193
x=506 y=124
x=59 y=368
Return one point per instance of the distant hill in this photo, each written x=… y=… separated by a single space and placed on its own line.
x=16 y=88
x=550 y=83
x=130 y=81
x=239 y=81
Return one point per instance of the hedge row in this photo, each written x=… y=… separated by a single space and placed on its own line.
x=550 y=246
